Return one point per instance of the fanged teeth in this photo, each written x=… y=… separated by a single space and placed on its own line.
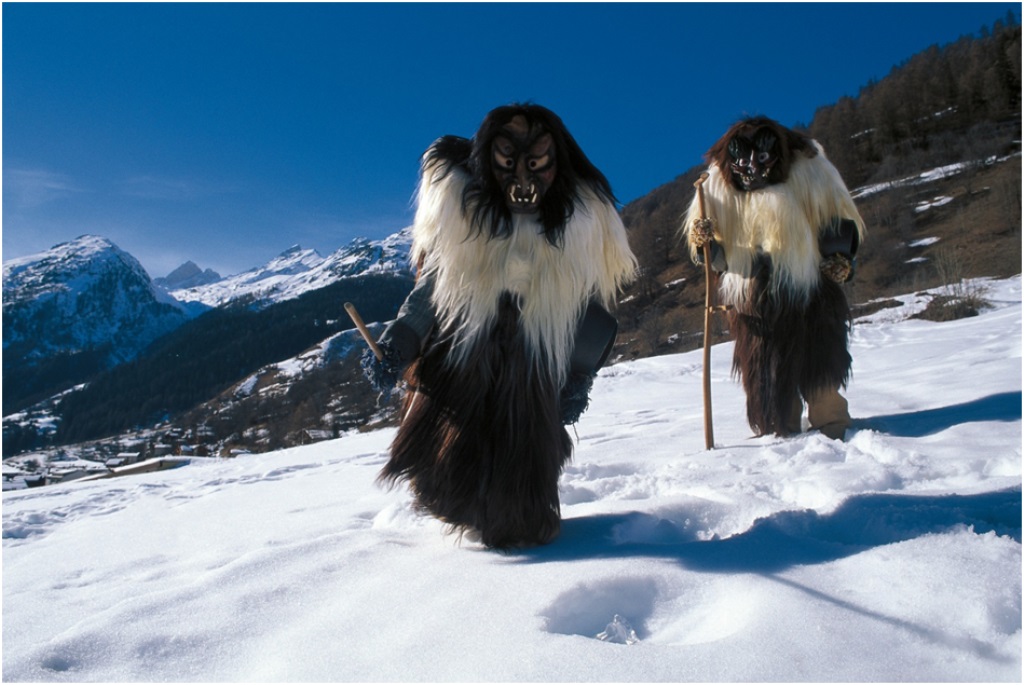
x=523 y=200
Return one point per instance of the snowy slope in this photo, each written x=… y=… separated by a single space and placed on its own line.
x=296 y=271
x=895 y=556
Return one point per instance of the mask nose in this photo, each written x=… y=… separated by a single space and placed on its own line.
x=523 y=175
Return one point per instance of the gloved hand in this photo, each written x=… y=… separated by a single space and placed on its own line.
x=385 y=373
x=575 y=397
x=702 y=231
x=837 y=267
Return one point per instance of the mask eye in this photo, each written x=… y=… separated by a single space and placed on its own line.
x=503 y=152
x=538 y=163
x=736 y=149
x=764 y=142
x=763 y=157
x=503 y=161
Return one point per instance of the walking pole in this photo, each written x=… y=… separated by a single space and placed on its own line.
x=709 y=429
x=358 y=321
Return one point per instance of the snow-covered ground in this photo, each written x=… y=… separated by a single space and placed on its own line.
x=930 y=176
x=895 y=556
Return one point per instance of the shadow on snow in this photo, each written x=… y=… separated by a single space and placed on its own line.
x=791 y=538
x=785 y=539
x=769 y=547
x=1004 y=406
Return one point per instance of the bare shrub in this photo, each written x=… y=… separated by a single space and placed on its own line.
x=961 y=298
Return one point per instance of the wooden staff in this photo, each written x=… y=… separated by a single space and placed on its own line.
x=358 y=321
x=709 y=429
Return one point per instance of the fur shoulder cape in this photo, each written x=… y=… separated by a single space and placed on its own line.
x=783 y=220
x=553 y=283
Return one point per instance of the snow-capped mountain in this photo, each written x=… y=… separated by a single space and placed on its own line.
x=74 y=309
x=82 y=295
x=296 y=271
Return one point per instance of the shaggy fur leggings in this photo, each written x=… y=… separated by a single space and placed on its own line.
x=787 y=352
x=481 y=442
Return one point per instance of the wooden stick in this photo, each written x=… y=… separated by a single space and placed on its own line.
x=358 y=321
x=709 y=429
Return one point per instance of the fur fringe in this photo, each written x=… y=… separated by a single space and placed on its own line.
x=481 y=443
x=786 y=350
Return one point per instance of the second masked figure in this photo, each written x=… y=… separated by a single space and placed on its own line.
x=784 y=233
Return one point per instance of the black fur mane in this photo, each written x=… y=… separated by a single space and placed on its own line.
x=483 y=199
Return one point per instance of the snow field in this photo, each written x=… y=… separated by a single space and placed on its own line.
x=893 y=556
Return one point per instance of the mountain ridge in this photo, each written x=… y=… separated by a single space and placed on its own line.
x=188 y=275
x=86 y=306
x=296 y=271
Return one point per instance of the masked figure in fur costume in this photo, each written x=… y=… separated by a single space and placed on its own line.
x=520 y=250
x=783 y=232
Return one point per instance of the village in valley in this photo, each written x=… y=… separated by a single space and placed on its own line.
x=160 y=449
x=108 y=459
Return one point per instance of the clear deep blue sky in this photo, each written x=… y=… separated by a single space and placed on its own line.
x=225 y=133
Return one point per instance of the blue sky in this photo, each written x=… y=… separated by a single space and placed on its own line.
x=226 y=133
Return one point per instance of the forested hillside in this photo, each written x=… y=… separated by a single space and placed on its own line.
x=944 y=105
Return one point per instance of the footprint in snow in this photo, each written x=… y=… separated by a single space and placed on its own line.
x=618 y=609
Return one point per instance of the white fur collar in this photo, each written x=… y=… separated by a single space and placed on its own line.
x=471 y=271
x=783 y=220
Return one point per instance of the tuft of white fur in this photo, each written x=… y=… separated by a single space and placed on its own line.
x=554 y=284
x=783 y=220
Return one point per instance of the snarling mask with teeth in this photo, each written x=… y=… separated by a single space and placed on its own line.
x=521 y=161
x=752 y=160
x=524 y=163
x=758 y=152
